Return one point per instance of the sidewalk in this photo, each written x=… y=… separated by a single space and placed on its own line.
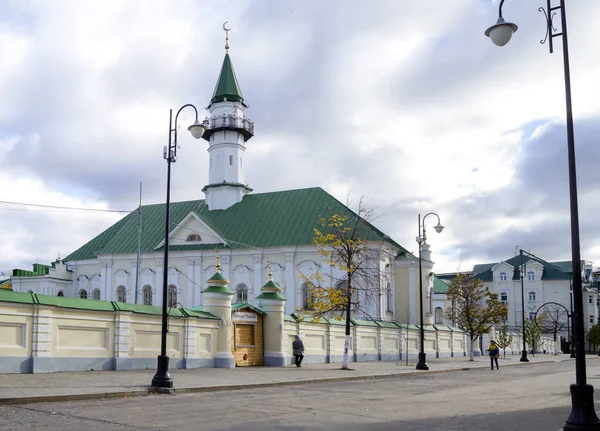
x=67 y=386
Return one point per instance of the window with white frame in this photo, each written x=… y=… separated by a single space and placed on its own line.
x=439 y=315
x=96 y=294
x=591 y=320
x=241 y=293
x=121 y=294
x=306 y=297
x=531 y=276
x=532 y=296
x=171 y=296
x=147 y=291
x=504 y=297
x=590 y=299
x=503 y=276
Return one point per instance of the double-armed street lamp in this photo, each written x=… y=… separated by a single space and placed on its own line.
x=162 y=379
x=583 y=415
x=422 y=364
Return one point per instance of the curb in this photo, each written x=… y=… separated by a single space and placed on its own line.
x=152 y=391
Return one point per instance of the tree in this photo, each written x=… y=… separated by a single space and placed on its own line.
x=593 y=336
x=504 y=338
x=476 y=309
x=555 y=318
x=533 y=334
x=345 y=240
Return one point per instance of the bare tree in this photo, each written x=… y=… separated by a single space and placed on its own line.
x=552 y=318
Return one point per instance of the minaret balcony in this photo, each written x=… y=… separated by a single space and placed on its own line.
x=228 y=122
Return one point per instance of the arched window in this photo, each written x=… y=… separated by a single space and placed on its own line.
x=306 y=297
x=532 y=296
x=147 y=290
x=61 y=293
x=193 y=237
x=503 y=276
x=121 y=294
x=96 y=294
x=390 y=298
x=83 y=294
x=241 y=293
x=171 y=296
x=30 y=291
x=439 y=315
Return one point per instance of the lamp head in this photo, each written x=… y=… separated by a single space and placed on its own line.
x=501 y=32
x=197 y=129
x=438 y=228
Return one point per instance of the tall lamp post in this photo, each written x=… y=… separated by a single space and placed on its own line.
x=162 y=379
x=522 y=271
x=422 y=364
x=583 y=415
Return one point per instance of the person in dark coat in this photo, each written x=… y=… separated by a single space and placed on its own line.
x=298 y=350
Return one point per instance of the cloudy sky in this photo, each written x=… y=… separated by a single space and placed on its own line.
x=405 y=102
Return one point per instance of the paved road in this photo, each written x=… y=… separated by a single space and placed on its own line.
x=533 y=398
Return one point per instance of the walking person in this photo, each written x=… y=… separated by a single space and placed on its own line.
x=494 y=352
x=298 y=350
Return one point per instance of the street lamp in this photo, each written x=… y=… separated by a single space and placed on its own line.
x=422 y=364
x=583 y=415
x=162 y=379
x=522 y=271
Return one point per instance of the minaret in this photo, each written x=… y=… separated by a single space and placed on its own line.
x=227 y=131
x=217 y=301
x=273 y=303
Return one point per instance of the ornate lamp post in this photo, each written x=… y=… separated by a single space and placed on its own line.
x=583 y=415
x=162 y=379
x=422 y=364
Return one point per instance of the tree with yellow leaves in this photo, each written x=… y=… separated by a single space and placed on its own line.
x=341 y=239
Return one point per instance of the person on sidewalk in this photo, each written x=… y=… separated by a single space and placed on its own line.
x=494 y=353
x=298 y=350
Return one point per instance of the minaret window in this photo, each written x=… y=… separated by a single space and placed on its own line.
x=240 y=162
x=230 y=160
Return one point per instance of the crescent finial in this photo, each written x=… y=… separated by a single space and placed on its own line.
x=226 y=36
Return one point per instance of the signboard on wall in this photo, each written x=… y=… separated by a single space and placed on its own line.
x=244 y=316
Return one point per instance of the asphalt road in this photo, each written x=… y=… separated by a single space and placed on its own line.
x=533 y=398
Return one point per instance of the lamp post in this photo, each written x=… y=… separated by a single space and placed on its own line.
x=524 y=351
x=162 y=379
x=583 y=415
x=571 y=336
x=422 y=364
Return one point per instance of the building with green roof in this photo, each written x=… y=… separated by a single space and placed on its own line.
x=249 y=229
x=542 y=282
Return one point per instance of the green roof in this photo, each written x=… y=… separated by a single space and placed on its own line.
x=260 y=220
x=440 y=285
x=227 y=87
x=95 y=305
x=244 y=305
x=18 y=297
x=552 y=270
